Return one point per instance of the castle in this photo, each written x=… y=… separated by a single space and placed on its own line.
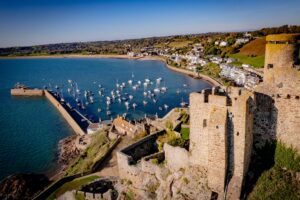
x=227 y=124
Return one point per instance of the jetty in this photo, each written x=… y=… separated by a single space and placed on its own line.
x=75 y=119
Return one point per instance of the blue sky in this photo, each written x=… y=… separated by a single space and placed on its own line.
x=31 y=22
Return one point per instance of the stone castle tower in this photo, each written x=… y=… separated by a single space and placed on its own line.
x=227 y=123
x=221 y=136
x=282 y=85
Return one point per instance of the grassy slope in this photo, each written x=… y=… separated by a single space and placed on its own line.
x=280 y=181
x=73 y=185
x=257 y=62
x=252 y=53
x=98 y=147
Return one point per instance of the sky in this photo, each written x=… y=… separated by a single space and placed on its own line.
x=34 y=22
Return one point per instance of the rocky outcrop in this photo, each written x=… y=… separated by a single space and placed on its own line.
x=67 y=150
x=22 y=186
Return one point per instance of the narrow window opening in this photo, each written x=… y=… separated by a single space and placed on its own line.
x=270 y=66
x=204 y=123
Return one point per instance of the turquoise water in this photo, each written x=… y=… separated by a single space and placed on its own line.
x=30 y=128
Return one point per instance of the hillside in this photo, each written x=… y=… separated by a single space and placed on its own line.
x=255 y=47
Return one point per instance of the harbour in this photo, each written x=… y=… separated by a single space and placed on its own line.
x=98 y=73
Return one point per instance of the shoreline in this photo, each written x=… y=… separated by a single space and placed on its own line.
x=208 y=79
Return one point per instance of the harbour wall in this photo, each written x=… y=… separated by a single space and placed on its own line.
x=78 y=130
x=26 y=92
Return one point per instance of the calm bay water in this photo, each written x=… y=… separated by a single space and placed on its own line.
x=30 y=128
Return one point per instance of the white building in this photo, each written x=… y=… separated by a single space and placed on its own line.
x=223 y=44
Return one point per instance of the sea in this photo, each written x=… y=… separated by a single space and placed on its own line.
x=30 y=127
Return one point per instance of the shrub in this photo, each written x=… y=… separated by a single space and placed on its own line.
x=287 y=157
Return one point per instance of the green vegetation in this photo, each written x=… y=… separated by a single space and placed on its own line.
x=287 y=157
x=276 y=183
x=211 y=69
x=185 y=118
x=97 y=149
x=73 y=185
x=185 y=133
x=169 y=125
x=280 y=181
x=256 y=61
x=129 y=195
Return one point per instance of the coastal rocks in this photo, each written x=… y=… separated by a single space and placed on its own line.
x=22 y=186
x=68 y=150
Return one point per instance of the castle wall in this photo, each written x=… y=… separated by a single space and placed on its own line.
x=199 y=115
x=176 y=157
x=127 y=171
x=217 y=148
x=241 y=114
x=281 y=83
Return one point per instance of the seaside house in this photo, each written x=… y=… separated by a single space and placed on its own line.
x=94 y=127
x=124 y=127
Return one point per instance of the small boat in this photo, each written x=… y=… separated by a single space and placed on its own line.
x=130 y=82
x=166 y=106
x=156 y=90
x=139 y=82
x=164 y=89
x=145 y=84
x=108 y=113
x=147 y=80
x=134 y=105
x=130 y=97
x=145 y=102
x=134 y=87
x=154 y=100
x=108 y=102
x=158 y=80
x=69 y=105
x=70 y=81
x=69 y=90
x=99 y=110
x=159 y=108
x=145 y=93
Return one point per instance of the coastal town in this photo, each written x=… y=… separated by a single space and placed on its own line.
x=195 y=59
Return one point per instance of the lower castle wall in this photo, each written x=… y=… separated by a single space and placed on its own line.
x=176 y=157
x=129 y=172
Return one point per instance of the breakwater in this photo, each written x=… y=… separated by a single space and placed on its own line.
x=26 y=92
x=77 y=122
